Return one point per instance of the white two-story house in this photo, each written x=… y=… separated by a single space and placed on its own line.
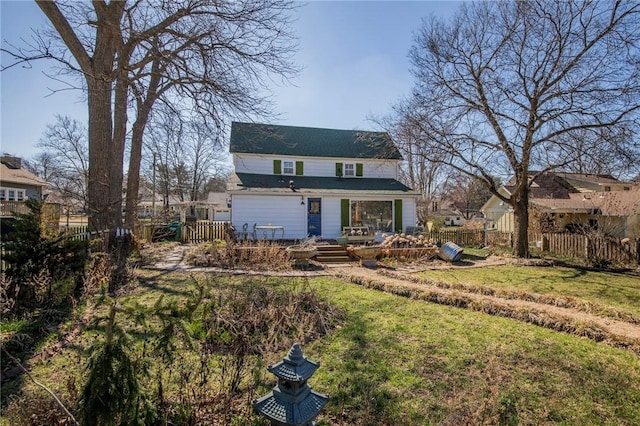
x=315 y=182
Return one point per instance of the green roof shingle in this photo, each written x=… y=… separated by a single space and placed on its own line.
x=311 y=184
x=272 y=139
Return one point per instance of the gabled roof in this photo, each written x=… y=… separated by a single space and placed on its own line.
x=309 y=184
x=272 y=139
x=546 y=185
x=610 y=203
x=590 y=178
x=561 y=184
x=10 y=175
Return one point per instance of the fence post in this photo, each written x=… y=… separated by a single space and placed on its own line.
x=587 y=247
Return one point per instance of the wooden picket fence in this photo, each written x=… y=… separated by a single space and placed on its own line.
x=204 y=231
x=591 y=247
x=76 y=232
x=188 y=233
x=473 y=237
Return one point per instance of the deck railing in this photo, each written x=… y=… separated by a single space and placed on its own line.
x=10 y=208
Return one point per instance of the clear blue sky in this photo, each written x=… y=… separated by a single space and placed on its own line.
x=354 y=56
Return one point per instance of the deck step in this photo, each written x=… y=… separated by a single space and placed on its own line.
x=334 y=259
x=332 y=254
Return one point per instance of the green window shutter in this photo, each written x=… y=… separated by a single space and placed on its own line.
x=358 y=169
x=277 y=167
x=344 y=212
x=299 y=168
x=398 y=216
x=339 y=170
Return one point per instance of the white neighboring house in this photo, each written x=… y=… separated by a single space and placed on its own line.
x=217 y=206
x=314 y=182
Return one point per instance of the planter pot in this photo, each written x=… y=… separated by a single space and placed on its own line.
x=367 y=255
x=301 y=255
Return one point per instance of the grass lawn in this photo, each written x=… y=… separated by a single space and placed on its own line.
x=396 y=361
x=621 y=290
x=459 y=367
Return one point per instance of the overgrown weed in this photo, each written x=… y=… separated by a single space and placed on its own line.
x=230 y=254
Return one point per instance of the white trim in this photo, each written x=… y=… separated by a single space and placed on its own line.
x=19 y=194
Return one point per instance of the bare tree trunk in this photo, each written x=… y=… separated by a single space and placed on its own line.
x=97 y=70
x=520 y=201
x=100 y=213
x=117 y=150
x=135 y=158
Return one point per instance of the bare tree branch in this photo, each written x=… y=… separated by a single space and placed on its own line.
x=512 y=88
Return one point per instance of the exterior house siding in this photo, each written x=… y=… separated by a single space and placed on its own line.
x=285 y=211
x=575 y=202
x=331 y=217
x=261 y=164
x=502 y=220
x=269 y=209
x=409 y=217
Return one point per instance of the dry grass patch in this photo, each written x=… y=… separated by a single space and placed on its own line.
x=597 y=289
x=569 y=302
x=228 y=254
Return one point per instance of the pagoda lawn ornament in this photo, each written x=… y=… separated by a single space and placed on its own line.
x=292 y=401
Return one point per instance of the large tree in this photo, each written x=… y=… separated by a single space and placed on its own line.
x=213 y=58
x=505 y=87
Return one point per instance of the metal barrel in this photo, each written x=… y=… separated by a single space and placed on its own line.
x=450 y=251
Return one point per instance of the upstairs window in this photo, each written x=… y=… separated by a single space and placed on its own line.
x=287 y=167
x=349 y=169
x=3 y=195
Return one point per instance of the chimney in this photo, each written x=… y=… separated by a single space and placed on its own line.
x=11 y=161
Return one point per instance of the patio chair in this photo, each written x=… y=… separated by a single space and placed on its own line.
x=254 y=234
x=242 y=235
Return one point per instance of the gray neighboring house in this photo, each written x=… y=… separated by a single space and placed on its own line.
x=17 y=185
